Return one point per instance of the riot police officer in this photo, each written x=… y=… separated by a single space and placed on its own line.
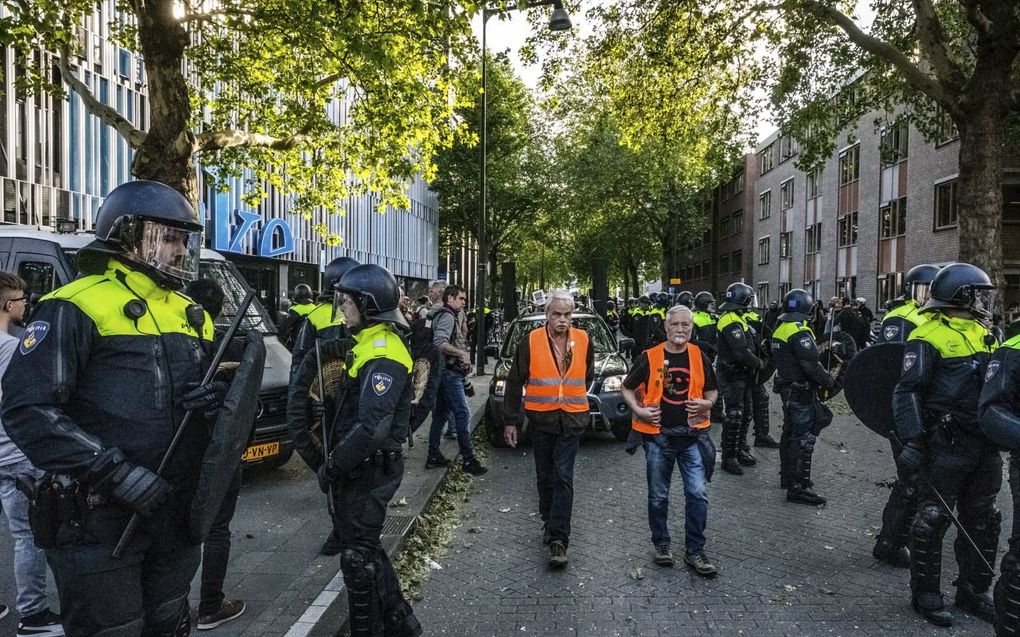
x=898 y=323
x=302 y=300
x=799 y=374
x=736 y=366
x=365 y=464
x=759 y=394
x=321 y=322
x=999 y=411
x=101 y=380
x=905 y=314
x=935 y=405
x=643 y=324
x=686 y=299
x=291 y=322
x=705 y=335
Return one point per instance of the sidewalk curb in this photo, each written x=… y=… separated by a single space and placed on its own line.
x=326 y=616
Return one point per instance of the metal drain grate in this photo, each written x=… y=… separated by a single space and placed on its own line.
x=397 y=524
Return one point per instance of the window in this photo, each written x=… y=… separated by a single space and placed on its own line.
x=848 y=230
x=764 y=250
x=945 y=128
x=705 y=268
x=767 y=159
x=724 y=263
x=765 y=205
x=738 y=183
x=39 y=277
x=947 y=206
x=738 y=221
x=784 y=288
x=894 y=218
x=763 y=293
x=737 y=262
x=813 y=239
x=787 y=148
x=785 y=243
x=724 y=227
x=706 y=238
x=786 y=195
x=849 y=165
x=893 y=147
x=814 y=183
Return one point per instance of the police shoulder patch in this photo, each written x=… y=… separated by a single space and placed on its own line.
x=993 y=366
x=381 y=383
x=805 y=342
x=34 y=334
x=890 y=332
x=908 y=360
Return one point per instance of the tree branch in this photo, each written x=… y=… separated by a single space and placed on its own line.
x=222 y=139
x=108 y=114
x=914 y=76
x=976 y=17
x=932 y=38
x=230 y=12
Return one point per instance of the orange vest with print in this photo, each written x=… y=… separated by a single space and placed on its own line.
x=650 y=391
x=547 y=390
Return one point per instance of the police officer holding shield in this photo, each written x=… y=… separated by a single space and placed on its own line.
x=364 y=465
x=899 y=322
x=103 y=376
x=799 y=375
x=737 y=367
x=936 y=412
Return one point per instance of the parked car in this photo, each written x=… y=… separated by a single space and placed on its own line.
x=609 y=412
x=45 y=259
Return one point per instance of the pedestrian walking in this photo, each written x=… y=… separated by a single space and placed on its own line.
x=555 y=363
x=670 y=391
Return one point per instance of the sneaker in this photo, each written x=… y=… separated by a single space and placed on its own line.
x=331 y=546
x=557 y=554
x=701 y=565
x=663 y=556
x=766 y=441
x=229 y=609
x=475 y=468
x=44 y=624
x=450 y=434
x=4 y=610
x=436 y=462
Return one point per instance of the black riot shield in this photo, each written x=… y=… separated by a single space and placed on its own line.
x=305 y=411
x=229 y=435
x=871 y=378
x=834 y=355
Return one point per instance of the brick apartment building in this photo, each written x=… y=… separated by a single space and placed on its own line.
x=851 y=227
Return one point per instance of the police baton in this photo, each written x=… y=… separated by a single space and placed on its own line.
x=242 y=309
x=326 y=449
x=959 y=525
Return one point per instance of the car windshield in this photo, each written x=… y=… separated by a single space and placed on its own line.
x=234 y=290
x=597 y=331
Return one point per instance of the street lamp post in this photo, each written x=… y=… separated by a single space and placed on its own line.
x=559 y=21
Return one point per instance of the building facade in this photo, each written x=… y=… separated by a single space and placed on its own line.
x=855 y=224
x=57 y=162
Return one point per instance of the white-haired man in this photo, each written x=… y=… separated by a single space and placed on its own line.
x=556 y=365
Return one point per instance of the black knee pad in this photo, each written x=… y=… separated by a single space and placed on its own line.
x=930 y=521
x=358 y=568
x=989 y=526
x=805 y=443
x=734 y=417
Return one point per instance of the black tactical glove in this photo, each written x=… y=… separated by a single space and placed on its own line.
x=206 y=398
x=326 y=479
x=137 y=487
x=910 y=459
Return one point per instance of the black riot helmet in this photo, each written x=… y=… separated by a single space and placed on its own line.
x=796 y=306
x=917 y=283
x=148 y=225
x=644 y=301
x=335 y=270
x=963 y=286
x=685 y=298
x=302 y=293
x=662 y=300
x=703 y=301
x=610 y=305
x=376 y=293
x=738 y=296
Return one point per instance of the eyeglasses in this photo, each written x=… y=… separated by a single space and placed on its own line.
x=22 y=298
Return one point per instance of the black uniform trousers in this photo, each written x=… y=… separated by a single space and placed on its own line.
x=899 y=511
x=803 y=418
x=736 y=388
x=966 y=469
x=1007 y=588
x=760 y=406
x=216 y=550
x=142 y=593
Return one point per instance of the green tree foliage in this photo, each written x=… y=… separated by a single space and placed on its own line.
x=258 y=88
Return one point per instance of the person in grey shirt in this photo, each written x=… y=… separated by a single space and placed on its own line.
x=34 y=612
x=452 y=401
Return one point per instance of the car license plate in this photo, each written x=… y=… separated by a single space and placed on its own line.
x=260 y=452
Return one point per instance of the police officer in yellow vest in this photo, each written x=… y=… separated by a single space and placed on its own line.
x=290 y=324
x=936 y=408
x=761 y=335
x=670 y=391
x=737 y=365
x=302 y=300
x=705 y=335
x=365 y=465
x=897 y=325
x=101 y=380
x=905 y=315
x=321 y=322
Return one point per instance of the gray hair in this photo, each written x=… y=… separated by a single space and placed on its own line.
x=559 y=295
x=438 y=284
x=678 y=309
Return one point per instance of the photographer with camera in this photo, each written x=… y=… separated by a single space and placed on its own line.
x=452 y=400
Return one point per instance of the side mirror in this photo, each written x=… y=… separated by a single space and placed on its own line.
x=491 y=351
x=626 y=344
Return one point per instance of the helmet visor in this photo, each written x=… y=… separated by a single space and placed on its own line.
x=920 y=292
x=167 y=249
x=339 y=298
x=984 y=301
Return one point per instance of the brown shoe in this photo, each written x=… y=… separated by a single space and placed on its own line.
x=663 y=555
x=557 y=554
x=700 y=564
x=229 y=609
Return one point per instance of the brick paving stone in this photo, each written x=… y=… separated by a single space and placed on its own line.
x=785 y=569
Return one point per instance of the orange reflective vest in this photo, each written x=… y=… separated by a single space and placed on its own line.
x=650 y=391
x=547 y=390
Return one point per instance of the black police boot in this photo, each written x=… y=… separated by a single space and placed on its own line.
x=332 y=544
x=730 y=447
x=745 y=458
x=932 y=608
x=803 y=495
x=887 y=551
x=402 y=622
x=766 y=441
x=730 y=465
x=979 y=605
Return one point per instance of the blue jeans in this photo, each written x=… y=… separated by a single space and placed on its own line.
x=659 y=461
x=29 y=560
x=451 y=401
